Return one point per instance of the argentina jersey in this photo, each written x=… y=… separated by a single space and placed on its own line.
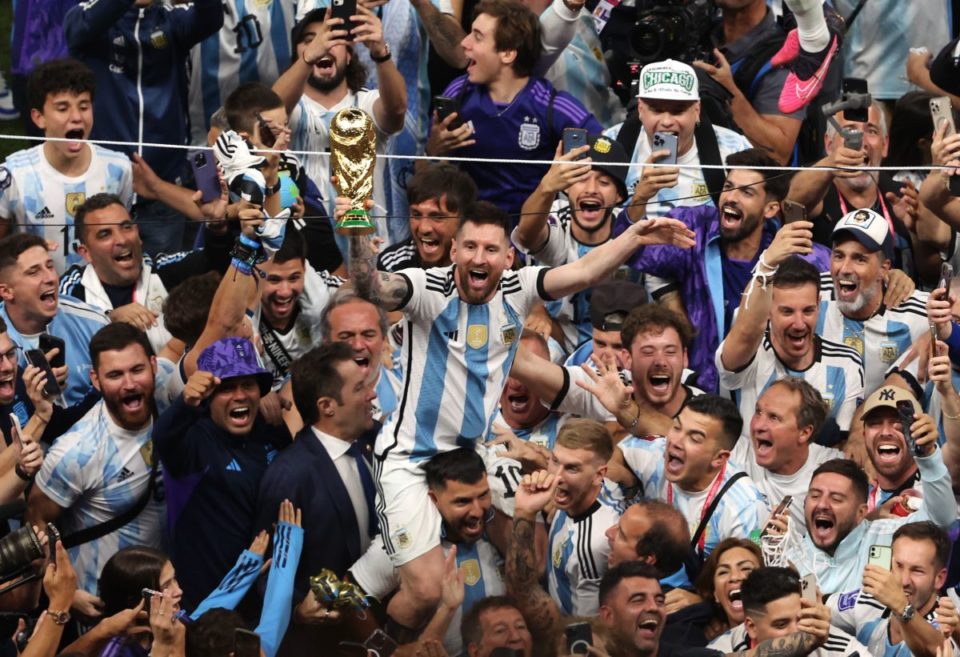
x=456 y=357
x=41 y=200
x=838 y=644
x=739 y=511
x=577 y=550
x=544 y=433
x=859 y=613
x=95 y=472
x=691 y=188
x=836 y=372
x=252 y=46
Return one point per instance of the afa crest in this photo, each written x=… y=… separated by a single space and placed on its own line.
x=73 y=201
x=471 y=572
x=529 y=137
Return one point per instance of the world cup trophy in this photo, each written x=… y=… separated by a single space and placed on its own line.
x=353 y=155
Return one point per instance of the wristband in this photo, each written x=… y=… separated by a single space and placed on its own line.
x=270 y=191
x=242 y=267
x=21 y=473
x=248 y=242
x=383 y=58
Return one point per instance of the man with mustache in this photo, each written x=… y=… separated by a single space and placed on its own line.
x=773 y=337
x=855 y=313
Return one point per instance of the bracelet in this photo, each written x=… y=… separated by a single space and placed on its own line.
x=383 y=58
x=633 y=425
x=243 y=267
x=270 y=191
x=21 y=473
x=948 y=416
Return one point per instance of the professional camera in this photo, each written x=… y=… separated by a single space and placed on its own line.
x=672 y=29
x=18 y=550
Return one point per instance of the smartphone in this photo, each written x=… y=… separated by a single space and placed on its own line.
x=858 y=86
x=445 y=107
x=49 y=342
x=36 y=358
x=793 y=211
x=906 y=411
x=942 y=112
x=579 y=638
x=808 y=588
x=16 y=431
x=204 y=167
x=245 y=643
x=574 y=138
x=380 y=644
x=53 y=535
x=783 y=506
x=345 y=9
x=946 y=275
x=666 y=141
x=880 y=555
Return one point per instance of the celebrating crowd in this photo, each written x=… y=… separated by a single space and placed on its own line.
x=641 y=338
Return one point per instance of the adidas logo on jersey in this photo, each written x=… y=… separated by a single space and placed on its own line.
x=233 y=466
x=124 y=475
x=44 y=213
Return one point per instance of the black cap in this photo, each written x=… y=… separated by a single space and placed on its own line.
x=611 y=302
x=296 y=34
x=611 y=158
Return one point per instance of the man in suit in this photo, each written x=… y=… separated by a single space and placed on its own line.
x=324 y=473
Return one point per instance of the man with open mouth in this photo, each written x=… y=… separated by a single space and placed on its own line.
x=215 y=447
x=774 y=336
x=42 y=187
x=854 y=313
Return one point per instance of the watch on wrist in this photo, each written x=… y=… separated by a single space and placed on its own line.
x=385 y=57
x=59 y=617
x=907 y=613
x=270 y=190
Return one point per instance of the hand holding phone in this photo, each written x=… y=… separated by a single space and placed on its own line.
x=666 y=141
x=574 y=138
x=344 y=9
x=205 y=175
x=880 y=555
x=808 y=588
x=51 y=389
x=579 y=638
x=906 y=411
x=793 y=211
x=445 y=107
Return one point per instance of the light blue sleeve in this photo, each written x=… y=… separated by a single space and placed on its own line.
x=939 y=504
x=233 y=586
x=278 y=599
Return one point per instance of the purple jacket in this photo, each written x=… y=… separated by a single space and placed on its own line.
x=698 y=272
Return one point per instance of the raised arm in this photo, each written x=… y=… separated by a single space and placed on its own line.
x=391 y=107
x=810 y=186
x=444 y=31
x=290 y=85
x=558 y=26
x=934 y=192
x=87 y=23
x=389 y=291
x=602 y=261
x=532 y=231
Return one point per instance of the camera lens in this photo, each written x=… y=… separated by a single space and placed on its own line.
x=17 y=550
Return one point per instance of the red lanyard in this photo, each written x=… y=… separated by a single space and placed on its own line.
x=872 y=499
x=706 y=503
x=883 y=208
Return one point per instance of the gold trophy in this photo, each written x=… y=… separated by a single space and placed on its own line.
x=353 y=155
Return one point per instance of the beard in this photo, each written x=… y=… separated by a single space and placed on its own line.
x=328 y=85
x=865 y=298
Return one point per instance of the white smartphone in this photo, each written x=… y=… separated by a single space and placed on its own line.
x=16 y=431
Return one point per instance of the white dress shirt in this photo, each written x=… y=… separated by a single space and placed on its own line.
x=347 y=468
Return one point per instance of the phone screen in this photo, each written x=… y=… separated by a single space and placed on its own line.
x=859 y=86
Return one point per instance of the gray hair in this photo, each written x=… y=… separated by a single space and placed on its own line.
x=342 y=297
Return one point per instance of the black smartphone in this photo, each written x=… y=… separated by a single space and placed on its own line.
x=445 y=107
x=36 y=358
x=53 y=535
x=906 y=411
x=579 y=638
x=380 y=643
x=574 y=138
x=345 y=9
x=793 y=211
x=204 y=167
x=666 y=141
x=245 y=643
x=858 y=86
x=267 y=138
x=48 y=342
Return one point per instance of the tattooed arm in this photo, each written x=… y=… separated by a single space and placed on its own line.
x=444 y=32
x=797 y=644
x=389 y=291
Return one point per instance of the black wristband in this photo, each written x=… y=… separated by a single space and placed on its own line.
x=382 y=58
x=17 y=470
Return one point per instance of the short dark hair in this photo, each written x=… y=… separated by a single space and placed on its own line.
x=850 y=470
x=470 y=629
x=462 y=465
x=246 y=101
x=435 y=181
x=625 y=570
x=796 y=272
x=116 y=337
x=518 y=28
x=766 y=584
x=811 y=411
x=653 y=318
x=57 y=76
x=293 y=247
x=187 y=306
x=926 y=530
x=723 y=409
x=314 y=375
x=211 y=635
x=668 y=538
x=776 y=182
x=12 y=246
x=92 y=204
x=484 y=213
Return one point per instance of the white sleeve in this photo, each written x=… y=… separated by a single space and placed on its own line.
x=553 y=251
x=126 y=186
x=366 y=99
x=558 y=26
x=417 y=302
x=730 y=380
x=531 y=282
x=9 y=194
x=842 y=607
x=645 y=459
x=62 y=477
x=577 y=401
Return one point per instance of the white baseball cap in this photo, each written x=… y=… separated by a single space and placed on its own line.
x=669 y=80
x=868 y=228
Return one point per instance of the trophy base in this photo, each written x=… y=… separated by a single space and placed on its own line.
x=355 y=222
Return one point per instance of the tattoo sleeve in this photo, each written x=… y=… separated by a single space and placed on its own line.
x=379 y=287
x=797 y=644
x=444 y=33
x=537 y=607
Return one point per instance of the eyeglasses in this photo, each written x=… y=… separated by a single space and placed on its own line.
x=11 y=355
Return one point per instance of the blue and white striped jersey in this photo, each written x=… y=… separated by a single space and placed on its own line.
x=97 y=471
x=42 y=201
x=577 y=550
x=859 y=613
x=837 y=372
x=741 y=509
x=252 y=46
x=838 y=643
x=544 y=433
x=880 y=340
x=843 y=570
x=691 y=188
x=456 y=358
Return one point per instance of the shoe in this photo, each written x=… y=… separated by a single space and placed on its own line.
x=788 y=51
x=807 y=72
